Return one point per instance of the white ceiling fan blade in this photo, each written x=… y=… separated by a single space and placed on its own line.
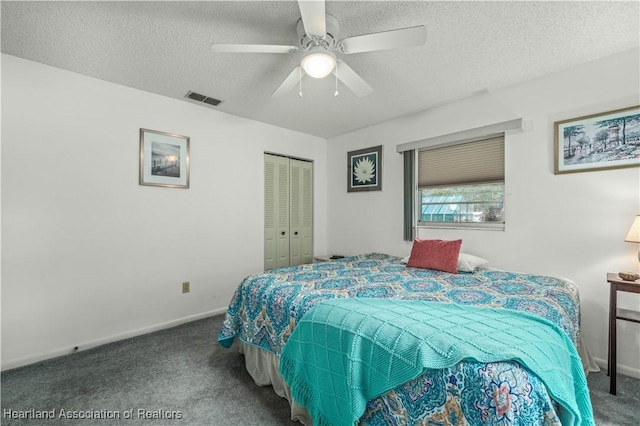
x=288 y=83
x=252 y=48
x=406 y=37
x=352 y=80
x=313 y=17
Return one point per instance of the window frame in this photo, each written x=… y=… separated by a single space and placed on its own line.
x=493 y=226
x=503 y=128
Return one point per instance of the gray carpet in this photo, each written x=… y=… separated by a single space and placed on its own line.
x=183 y=371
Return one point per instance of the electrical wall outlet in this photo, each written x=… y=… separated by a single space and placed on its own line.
x=185 y=287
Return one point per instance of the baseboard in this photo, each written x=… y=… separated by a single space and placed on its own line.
x=21 y=362
x=622 y=369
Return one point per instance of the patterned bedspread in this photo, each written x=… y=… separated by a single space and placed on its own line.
x=266 y=308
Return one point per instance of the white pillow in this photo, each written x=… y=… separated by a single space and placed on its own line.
x=469 y=263
x=466 y=262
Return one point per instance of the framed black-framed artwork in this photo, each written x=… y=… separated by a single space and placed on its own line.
x=164 y=159
x=607 y=140
x=364 y=169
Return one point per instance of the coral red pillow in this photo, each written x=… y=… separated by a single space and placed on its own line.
x=441 y=255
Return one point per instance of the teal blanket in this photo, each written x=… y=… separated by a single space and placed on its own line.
x=345 y=352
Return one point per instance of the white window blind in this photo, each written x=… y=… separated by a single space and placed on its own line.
x=467 y=163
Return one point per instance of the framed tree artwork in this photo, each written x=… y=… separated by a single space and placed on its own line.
x=607 y=140
x=364 y=169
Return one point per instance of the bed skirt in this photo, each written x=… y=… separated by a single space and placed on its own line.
x=263 y=367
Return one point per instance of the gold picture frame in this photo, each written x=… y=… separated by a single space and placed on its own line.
x=607 y=140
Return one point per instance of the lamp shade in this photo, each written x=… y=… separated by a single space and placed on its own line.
x=634 y=233
x=318 y=64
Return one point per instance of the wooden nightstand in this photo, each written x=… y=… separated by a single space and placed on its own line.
x=618 y=284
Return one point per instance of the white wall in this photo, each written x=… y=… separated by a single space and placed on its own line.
x=570 y=225
x=90 y=256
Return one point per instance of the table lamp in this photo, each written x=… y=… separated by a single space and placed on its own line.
x=634 y=233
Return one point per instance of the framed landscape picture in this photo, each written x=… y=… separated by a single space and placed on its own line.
x=364 y=169
x=164 y=159
x=601 y=141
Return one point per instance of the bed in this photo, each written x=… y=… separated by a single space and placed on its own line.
x=267 y=307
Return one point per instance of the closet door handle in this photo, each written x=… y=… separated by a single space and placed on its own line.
x=295 y=233
x=282 y=233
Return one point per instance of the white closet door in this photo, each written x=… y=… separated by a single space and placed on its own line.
x=295 y=212
x=282 y=212
x=270 y=183
x=288 y=212
x=306 y=212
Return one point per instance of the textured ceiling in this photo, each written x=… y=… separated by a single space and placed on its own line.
x=164 y=48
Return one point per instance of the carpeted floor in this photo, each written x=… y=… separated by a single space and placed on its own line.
x=183 y=372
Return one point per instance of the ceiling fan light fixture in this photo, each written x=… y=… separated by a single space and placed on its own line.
x=318 y=64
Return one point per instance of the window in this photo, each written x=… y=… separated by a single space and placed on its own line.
x=467 y=165
x=462 y=185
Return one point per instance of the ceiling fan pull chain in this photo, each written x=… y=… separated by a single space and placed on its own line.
x=300 y=82
x=336 y=94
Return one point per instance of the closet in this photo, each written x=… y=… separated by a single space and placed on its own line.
x=288 y=211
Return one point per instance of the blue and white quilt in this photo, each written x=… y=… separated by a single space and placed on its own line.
x=266 y=308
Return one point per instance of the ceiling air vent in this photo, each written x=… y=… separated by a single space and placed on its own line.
x=202 y=98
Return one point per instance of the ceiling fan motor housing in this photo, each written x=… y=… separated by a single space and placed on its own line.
x=329 y=41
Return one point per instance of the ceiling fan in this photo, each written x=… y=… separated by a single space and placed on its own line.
x=317 y=34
